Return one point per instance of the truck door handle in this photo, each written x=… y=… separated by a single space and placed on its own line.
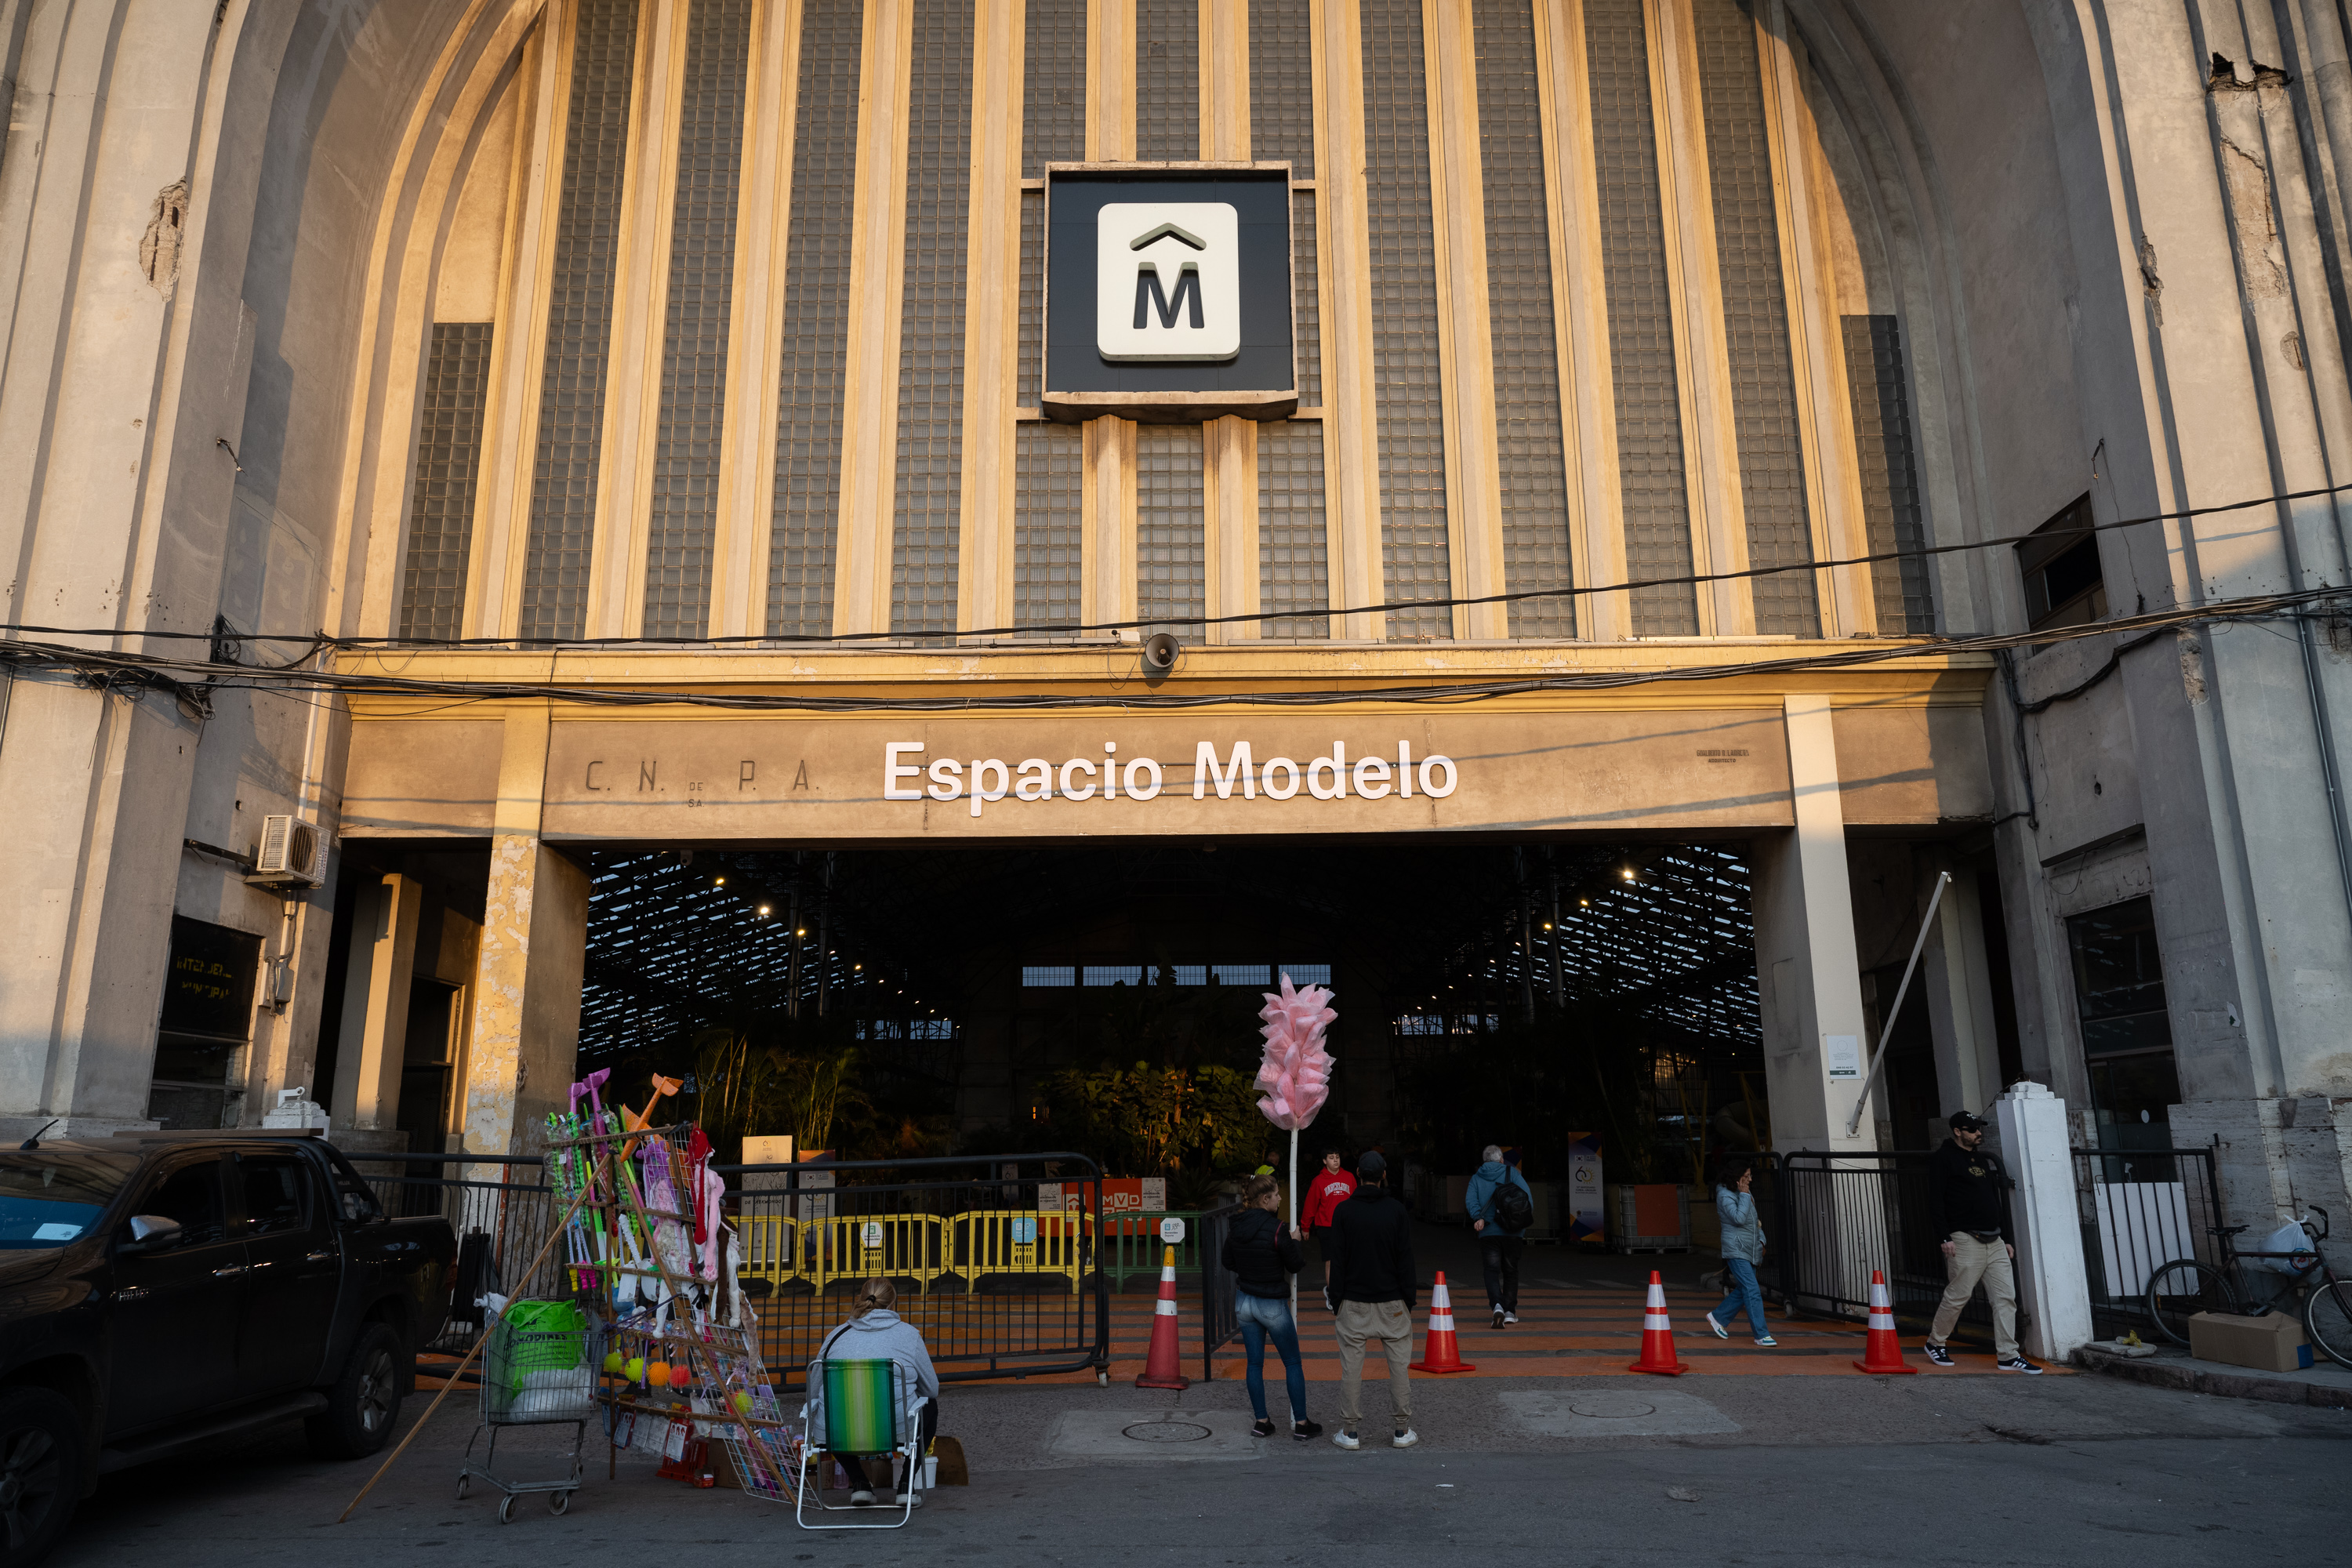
x=326 y=1255
x=225 y=1273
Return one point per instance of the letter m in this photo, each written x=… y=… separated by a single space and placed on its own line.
x=1149 y=298
x=1204 y=768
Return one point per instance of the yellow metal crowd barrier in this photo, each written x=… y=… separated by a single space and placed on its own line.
x=923 y=1248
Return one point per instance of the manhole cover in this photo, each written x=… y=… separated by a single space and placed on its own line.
x=1167 y=1432
x=1612 y=1407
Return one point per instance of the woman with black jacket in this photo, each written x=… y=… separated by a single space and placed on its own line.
x=1262 y=1257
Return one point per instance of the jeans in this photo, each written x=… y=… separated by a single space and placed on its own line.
x=1389 y=1322
x=1263 y=1318
x=1971 y=1261
x=1740 y=1292
x=1502 y=1258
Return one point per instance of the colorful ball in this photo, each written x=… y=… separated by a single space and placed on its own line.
x=612 y=1363
x=636 y=1369
x=743 y=1403
x=681 y=1376
x=658 y=1374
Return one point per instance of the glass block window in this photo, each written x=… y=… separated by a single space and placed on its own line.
x=579 y=321
x=1306 y=299
x=815 y=345
x=1240 y=974
x=1172 y=559
x=1167 y=80
x=1282 y=83
x=1403 y=267
x=1186 y=974
x=441 y=494
x=1881 y=389
x=1641 y=321
x=1052 y=85
x=1049 y=975
x=1306 y=974
x=1755 y=317
x=1028 y=383
x=1534 y=471
x=930 y=333
x=1114 y=973
x=684 y=520
x=1048 y=522
x=1293 y=573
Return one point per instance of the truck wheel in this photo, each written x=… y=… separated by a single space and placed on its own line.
x=40 y=1472
x=363 y=1402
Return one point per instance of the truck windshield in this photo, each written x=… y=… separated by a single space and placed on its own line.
x=49 y=1200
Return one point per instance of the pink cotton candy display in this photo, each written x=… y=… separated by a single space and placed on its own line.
x=1296 y=1072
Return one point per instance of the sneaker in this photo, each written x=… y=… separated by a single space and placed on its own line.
x=1262 y=1428
x=1510 y=1317
x=1937 y=1353
x=1347 y=1440
x=1408 y=1437
x=2018 y=1364
x=861 y=1499
x=1720 y=1331
x=1303 y=1430
x=913 y=1499
x=1764 y=1341
x=1499 y=1316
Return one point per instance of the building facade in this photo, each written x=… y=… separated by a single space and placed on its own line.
x=657 y=421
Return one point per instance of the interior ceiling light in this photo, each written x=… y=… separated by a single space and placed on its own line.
x=719 y=882
x=764 y=909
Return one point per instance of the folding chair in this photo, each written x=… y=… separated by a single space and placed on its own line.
x=870 y=1409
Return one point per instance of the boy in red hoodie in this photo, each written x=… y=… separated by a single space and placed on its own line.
x=1326 y=1190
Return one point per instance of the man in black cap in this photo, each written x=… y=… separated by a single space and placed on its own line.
x=1373 y=1289
x=1968 y=1209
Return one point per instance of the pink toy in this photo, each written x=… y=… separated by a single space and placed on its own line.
x=1296 y=1072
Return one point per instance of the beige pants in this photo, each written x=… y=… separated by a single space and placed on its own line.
x=1971 y=1261
x=1389 y=1322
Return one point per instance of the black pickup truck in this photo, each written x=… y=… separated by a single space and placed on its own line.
x=163 y=1290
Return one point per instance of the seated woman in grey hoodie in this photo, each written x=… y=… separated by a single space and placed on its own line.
x=875 y=1332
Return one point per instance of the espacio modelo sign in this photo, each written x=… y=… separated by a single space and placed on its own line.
x=984 y=781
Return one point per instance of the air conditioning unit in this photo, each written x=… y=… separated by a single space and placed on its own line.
x=290 y=856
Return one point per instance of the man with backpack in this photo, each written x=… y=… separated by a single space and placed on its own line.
x=1502 y=1205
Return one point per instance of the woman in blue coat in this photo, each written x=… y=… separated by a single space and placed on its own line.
x=1743 y=1249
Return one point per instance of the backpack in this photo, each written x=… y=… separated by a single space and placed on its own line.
x=1510 y=1207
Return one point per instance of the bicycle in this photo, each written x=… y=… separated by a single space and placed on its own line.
x=2187 y=1286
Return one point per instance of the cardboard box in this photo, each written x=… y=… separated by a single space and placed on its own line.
x=2273 y=1342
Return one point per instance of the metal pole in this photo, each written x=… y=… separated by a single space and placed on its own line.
x=1878 y=1057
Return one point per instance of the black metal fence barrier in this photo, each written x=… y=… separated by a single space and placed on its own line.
x=1840 y=1217
x=499 y=1207
x=2140 y=1210
x=1220 y=1322
x=998 y=1264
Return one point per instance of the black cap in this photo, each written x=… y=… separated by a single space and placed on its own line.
x=1371 y=1165
x=1965 y=1122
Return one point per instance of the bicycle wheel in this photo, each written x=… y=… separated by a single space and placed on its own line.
x=2327 y=1318
x=2182 y=1289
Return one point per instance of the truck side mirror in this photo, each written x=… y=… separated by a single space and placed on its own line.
x=153 y=1233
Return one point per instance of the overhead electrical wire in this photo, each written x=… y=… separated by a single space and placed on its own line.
x=317 y=640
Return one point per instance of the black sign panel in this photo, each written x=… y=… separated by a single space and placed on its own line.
x=1074 y=360
x=209 y=990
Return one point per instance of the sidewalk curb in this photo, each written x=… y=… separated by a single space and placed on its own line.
x=2158 y=1373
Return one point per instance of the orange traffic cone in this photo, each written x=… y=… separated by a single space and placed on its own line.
x=1658 y=1335
x=1439 y=1353
x=1882 y=1351
x=1159 y=1366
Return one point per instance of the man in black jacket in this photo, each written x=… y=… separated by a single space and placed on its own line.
x=1968 y=1212
x=1373 y=1289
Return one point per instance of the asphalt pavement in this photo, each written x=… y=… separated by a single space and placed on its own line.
x=1979 y=1469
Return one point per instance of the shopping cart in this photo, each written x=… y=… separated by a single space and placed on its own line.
x=539 y=1369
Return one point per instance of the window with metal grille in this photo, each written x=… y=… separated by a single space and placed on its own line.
x=1881 y=392
x=1048 y=523
x=1292 y=569
x=579 y=321
x=1414 y=557
x=1171 y=549
x=1534 y=461
x=683 y=521
x=1755 y=317
x=448 y=463
x=815 y=351
x=930 y=333
x=1167 y=80
x=1641 y=321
